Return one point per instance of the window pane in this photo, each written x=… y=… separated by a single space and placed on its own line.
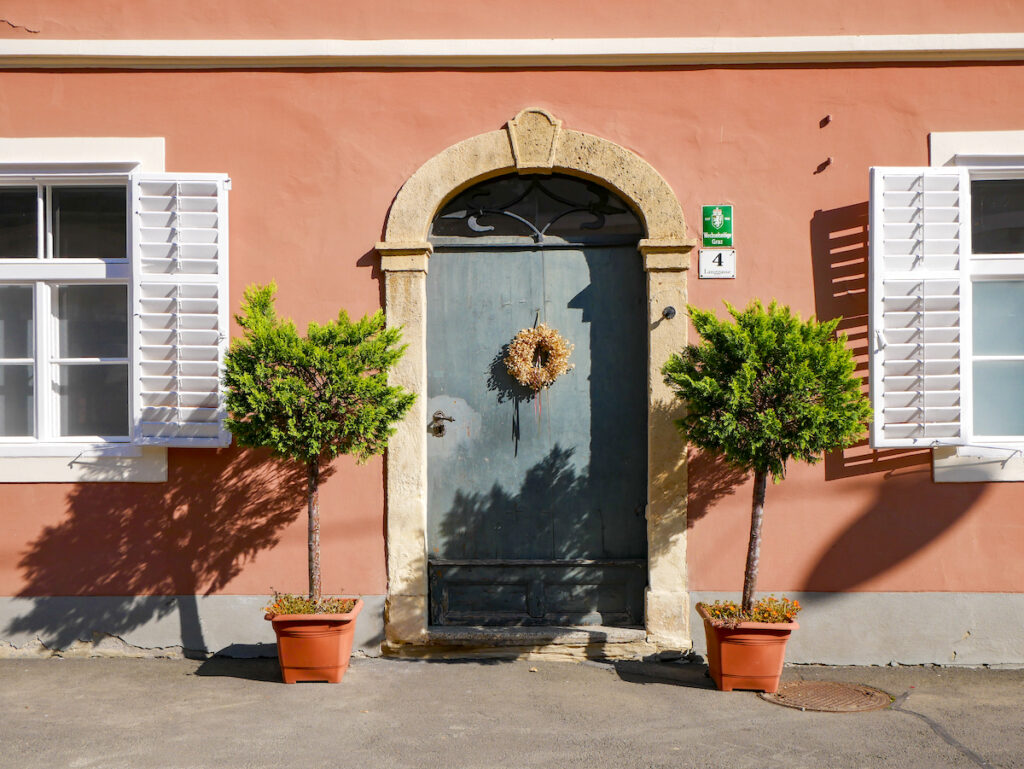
x=16 y=401
x=93 y=321
x=999 y=397
x=93 y=400
x=18 y=227
x=998 y=317
x=89 y=222
x=16 y=322
x=997 y=216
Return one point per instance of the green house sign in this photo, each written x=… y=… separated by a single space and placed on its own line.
x=717 y=225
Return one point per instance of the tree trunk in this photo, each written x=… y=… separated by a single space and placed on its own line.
x=754 y=548
x=314 y=530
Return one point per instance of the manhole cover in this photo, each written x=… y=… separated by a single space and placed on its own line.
x=829 y=697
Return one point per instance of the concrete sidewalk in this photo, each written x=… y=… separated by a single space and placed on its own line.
x=175 y=714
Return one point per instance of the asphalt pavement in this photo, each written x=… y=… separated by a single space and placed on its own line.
x=178 y=714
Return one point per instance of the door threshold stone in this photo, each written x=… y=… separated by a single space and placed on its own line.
x=553 y=635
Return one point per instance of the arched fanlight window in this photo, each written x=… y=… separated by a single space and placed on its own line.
x=535 y=209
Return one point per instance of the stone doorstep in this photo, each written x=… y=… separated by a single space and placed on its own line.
x=570 y=643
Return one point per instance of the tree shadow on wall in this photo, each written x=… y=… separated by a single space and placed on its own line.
x=501 y=524
x=189 y=536
x=710 y=479
x=910 y=511
x=544 y=519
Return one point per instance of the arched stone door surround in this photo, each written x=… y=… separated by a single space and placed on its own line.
x=535 y=142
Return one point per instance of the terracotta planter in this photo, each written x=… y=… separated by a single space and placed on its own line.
x=314 y=647
x=747 y=656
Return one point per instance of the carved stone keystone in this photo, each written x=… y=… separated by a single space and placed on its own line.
x=534 y=134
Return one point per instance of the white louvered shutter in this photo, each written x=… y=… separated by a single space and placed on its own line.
x=180 y=301
x=917 y=285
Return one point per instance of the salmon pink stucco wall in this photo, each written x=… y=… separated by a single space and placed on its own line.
x=416 y=19
x=316 y=159
x=224 y=522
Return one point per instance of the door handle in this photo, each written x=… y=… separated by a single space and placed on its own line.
x=437 y=424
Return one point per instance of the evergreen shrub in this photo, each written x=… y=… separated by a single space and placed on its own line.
x=761 y=389
x=312 y=398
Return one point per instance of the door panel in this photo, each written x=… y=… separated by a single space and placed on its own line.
x=536 y=502
x=551 y=594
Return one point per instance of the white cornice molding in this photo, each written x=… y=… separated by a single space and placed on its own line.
x=512 y=53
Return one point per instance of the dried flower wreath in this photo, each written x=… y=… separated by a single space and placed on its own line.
x=537 y=357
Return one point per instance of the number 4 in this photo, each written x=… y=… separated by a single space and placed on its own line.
x=718 y=259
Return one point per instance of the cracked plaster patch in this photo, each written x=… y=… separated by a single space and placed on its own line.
x=101 y=645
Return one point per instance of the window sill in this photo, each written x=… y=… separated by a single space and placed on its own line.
x=949 y=466
x=82 y=463
x=66 y=449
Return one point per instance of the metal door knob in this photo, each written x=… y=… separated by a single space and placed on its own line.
x=437 y=424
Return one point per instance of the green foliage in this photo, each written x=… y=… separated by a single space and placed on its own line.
x=286 y=603
x=770 y=609
x=312 y=398
x=767 y=387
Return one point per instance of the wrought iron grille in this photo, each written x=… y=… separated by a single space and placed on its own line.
x=542 y=209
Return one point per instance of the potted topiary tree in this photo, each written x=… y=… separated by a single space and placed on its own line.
x=309 y=399
x=760 y=390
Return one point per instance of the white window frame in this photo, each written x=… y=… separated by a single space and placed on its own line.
x=980 y=267
x=128 y=161
x=965 y=268
x=970 y=458
x=44 y=273
x=982 y=458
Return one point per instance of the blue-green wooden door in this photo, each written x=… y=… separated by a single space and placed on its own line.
x=536 y=503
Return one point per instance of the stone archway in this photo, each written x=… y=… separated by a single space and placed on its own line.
x=535 y=142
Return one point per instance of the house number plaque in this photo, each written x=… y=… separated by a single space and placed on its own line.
x=716 y=263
